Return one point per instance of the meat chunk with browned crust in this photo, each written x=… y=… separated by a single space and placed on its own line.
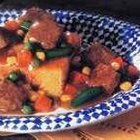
x=44 y=29
x=33 y=14
x=99 y=54
x=104 y=75
x=11 y=96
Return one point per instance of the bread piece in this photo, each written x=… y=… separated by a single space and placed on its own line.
x=51 y=76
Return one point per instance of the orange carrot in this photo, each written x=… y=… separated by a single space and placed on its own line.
x=43 y=103
x=73 y=38
x=78 y=77
x=70 y=89
x=24 y=58
x=12 y=25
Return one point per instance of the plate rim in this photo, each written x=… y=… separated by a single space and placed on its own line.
x=8 y=123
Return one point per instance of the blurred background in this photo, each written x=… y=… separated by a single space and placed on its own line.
x=125 y=9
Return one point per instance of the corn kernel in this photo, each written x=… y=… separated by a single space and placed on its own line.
x=41 y=55
x=125 y=86
x=65 y=100
x=116 y=66
x=30 y=67
x=34 y=97
x=11 y=60
x=20 y=32
x=32 y=39
x=86 y=70
x=41 y=92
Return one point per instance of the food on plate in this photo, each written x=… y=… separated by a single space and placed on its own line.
x=42 y=28
x=103 y=75
x=7 y=38
x=11 y=96
x=56 y=72
x=99 y=53
x=42 y=67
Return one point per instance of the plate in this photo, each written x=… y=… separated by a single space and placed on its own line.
x=119 y=36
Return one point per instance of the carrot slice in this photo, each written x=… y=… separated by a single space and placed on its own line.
x=12 y=25
x=70 y=89
x=43 y=103
x=24 y=58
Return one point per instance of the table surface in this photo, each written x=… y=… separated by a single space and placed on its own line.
x=119 y=128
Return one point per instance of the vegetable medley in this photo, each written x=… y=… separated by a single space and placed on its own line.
x=42 y=67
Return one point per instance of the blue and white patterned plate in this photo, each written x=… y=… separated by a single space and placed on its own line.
x=121 y=37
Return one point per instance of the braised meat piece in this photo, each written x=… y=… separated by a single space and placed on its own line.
x=35 y=14
x=98 y=53
x=104 y=75
x=7 y=38
x=11 y=96
x=44 y=29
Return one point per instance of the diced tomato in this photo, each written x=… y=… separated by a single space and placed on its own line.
x=78 y=77
x=24 y=58
x=12 y=25
x=73 y=38
x=132 y=71
x=3 y=58
x=70 y=89
x=43 y=103
x=119 y=60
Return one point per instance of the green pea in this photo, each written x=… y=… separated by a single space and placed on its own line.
x=13 y=77
x=27 y=109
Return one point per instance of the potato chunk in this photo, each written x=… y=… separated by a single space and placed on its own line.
x=51 y=76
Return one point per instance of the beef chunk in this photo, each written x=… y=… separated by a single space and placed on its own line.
x=104 y=75
x=35 y=14
x=11 y=96
x=7 y=38
x=100 y=54
x=44 y=29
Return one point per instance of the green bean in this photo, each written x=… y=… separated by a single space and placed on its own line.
x=86 y=95
x=25 y=25
x=58 y=52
